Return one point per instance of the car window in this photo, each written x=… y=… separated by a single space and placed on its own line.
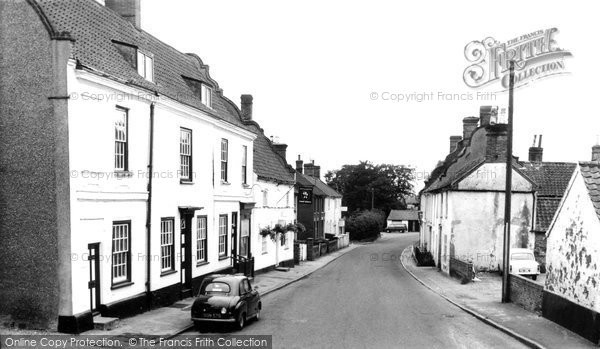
x=522 y=256
x=216 y=288
x=244 y=286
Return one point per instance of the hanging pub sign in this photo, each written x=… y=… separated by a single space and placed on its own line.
x=305 y=195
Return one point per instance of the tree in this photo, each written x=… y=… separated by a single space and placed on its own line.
x=389 y=185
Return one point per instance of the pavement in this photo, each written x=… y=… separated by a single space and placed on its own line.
x=482 y=300
x=169 y=321
x=365 y=299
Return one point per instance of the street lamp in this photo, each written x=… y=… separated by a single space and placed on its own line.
x=507 y=195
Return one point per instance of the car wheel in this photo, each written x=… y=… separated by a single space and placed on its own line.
x=241 y=321
x=534 y=277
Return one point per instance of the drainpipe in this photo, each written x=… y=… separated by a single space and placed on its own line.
x=149 y=208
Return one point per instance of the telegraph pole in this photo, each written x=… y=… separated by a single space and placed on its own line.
x=507 y=195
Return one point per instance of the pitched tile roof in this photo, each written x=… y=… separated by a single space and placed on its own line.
x=95 y=28
x=545 y=210
x=268 y=165
x=319 y=187
x=403 y=215
x=552 y=178
x=591 y=175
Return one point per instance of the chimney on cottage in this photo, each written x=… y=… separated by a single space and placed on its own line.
x=488 y=115
x=454 y=142
x=596 y=152
x=280 y=149
x=312 y=170
x=469 y=125
x=128 y=9
x=299 y=163
x=247 y=107
x=536 y=152
x=496 y=142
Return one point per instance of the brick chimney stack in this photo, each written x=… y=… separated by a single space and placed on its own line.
x=310 y=169
x=469 y=125
x=128 y=9
x=596 y=152
x=299 y=163
x=536 y=152
x=280 y=149
x=246 y=107
x=497 y=138
x=454 y=142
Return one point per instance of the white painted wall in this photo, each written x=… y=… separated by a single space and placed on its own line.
x=278 y=208
x=469 y=223
x=573 y=249
x=333 y=215
x=98 y=197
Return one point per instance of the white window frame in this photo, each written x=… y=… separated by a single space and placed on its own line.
x=223 y=235
x=145 y=65
x=167 y=244
x=121 y=139
x=201 y=239
x=121 y=252
x=185 y=154
x=224 y=159
x=206 y=95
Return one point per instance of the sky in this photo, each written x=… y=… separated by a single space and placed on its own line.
x=323 y=73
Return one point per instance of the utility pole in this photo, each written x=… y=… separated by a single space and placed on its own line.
x=507 y=195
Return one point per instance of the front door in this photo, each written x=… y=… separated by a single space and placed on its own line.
x=186 y=256
x=94 y=281
x=234 y=224
x=245 y=235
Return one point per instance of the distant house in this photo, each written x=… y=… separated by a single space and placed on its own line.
x=318 y=206
x=572 y=290
x=412 y=202
x=410 y=218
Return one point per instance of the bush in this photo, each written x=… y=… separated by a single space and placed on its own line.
x=365 y=224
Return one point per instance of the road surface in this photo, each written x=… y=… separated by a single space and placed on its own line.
x=365 y=299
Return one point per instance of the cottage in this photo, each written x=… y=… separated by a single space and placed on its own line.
x=572 y=290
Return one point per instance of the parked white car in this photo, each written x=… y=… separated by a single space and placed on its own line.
x=522 y=262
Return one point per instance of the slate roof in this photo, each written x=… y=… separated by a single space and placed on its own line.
x=319 y=187
x=552 y=179
x=94 y=28
x=403 y=215
x=591 y=175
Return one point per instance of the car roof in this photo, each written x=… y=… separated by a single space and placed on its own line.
x=225 y=278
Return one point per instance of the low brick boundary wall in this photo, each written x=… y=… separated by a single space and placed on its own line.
x=526 y=293
x=461 y=269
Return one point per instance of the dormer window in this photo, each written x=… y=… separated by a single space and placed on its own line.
x=206 y=96
x=145 y=65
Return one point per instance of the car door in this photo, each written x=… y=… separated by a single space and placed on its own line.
x=252 y=297
x=248 y=297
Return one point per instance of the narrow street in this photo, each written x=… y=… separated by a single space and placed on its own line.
x=366 y=299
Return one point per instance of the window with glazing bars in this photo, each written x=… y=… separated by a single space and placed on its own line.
x=121 y=160
x=121 y=252
x=201 y=240
x=223 y=235
x=224 y=158
x=185 y=154
x=167 y=244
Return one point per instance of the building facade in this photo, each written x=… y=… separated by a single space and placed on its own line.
x=136 y=166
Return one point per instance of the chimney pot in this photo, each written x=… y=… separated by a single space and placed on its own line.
x=128 y=9
x=299 y=163
x=454 y=142
x=486 y=114
x=469 y=125
x=596 y=152
x=246 y=107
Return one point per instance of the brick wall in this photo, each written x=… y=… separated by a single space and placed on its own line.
x=526 y=293
x=461 y=269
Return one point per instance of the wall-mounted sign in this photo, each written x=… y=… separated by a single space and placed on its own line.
x=305 y=195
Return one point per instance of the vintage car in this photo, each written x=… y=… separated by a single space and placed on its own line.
x=522 y=262
x=226 y=299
